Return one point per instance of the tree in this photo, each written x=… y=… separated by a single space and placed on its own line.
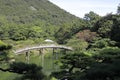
x=106 y=66
x=78 y=44
x=86 y=35
x=105 y=29
x=102 y=43
x=102 y=65
x=68 y=30
x=108 y=27
x=91 y=18
x=4 y=52
x=28 y=71
x=71 y=62
x=34 y=32
x=62 y=34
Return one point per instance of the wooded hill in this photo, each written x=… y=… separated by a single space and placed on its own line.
x=26 y=19
x=26 y=11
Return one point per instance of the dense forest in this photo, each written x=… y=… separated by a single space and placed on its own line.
x=25 y=19
x=95 y=41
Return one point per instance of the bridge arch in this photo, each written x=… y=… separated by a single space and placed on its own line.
x=40 y=48
x=20 y=51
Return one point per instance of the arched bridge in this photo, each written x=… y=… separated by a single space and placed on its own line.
x=42 y=47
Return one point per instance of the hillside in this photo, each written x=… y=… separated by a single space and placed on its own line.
x=26 y=19
x=25 y=11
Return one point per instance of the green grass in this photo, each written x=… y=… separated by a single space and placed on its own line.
x=8 y=76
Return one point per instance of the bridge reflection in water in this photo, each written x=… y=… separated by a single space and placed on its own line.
x=40 y=48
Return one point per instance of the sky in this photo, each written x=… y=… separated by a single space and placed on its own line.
x=81 y=7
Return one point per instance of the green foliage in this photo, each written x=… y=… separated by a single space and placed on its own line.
x=29 y=22
x=61 y=35
x=4 y=46
x=30 y=71
x=105 y=28
x=4 y=51
x=27 y=71
x=102 y=43
x=25 y=11
x=73 y=64
x=86 y=65
x=109 y=27
x=78 y=60
x=91 y=18
x=68 y=30
x=107 y=63
x=24 y=19
x=78 y=44
x=101 y=57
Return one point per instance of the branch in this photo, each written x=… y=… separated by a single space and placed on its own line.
x=10 y=70
x=70 y=70
x=5 y=70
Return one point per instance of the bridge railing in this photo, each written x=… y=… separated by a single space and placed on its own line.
x=42 y=46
